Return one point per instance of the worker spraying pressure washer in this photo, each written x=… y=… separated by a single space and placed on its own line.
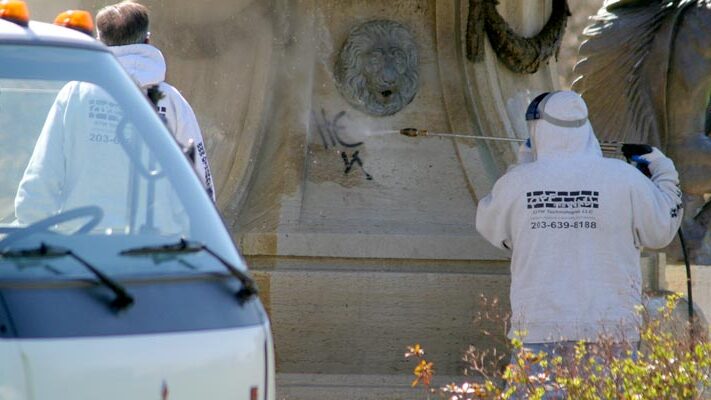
x=575 y=223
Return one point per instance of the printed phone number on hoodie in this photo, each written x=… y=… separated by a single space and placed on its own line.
x=564 y=225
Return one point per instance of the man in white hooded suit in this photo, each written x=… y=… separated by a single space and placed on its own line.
x=78 y=160
x=575 y=223
x=124 y=28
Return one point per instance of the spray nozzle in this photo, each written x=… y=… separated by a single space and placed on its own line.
x=413 y=132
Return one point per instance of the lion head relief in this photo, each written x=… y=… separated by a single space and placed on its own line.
x=377 y=67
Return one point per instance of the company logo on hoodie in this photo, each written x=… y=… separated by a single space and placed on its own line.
x=562 y=199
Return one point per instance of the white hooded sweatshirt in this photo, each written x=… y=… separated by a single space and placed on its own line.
x=78 y=160
x=146 y=65
x=576 y=222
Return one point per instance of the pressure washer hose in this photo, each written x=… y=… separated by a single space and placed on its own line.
x=688 y=277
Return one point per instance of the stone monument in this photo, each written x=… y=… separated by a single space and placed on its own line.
x=362 y=240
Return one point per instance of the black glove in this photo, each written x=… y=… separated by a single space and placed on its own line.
x=633 y=153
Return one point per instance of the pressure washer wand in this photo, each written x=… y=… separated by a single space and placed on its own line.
x=607 y=147
x=412 y=132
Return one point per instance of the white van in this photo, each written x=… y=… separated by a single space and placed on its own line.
x=120 y=280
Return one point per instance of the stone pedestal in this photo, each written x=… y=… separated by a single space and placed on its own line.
x=362 y=257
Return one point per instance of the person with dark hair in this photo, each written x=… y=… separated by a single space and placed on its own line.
x=124 y=28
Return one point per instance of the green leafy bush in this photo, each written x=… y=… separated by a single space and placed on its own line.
x=668 y=366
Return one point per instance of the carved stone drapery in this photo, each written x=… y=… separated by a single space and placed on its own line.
x=518 y=53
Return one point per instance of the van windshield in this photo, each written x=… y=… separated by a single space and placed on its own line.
x=88 y=164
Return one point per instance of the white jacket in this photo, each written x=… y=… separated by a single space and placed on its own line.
x=575 y=223
x=147 y=67
x=78 y=160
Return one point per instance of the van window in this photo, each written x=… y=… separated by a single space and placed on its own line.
x=84 y=150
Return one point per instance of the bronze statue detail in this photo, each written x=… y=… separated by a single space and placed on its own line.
x=519 y=54
x=645 y=73
x=377 y=67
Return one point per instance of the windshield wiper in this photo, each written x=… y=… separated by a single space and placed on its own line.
x=248 y=289
x=123 y=298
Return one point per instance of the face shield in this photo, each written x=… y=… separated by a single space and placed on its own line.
x=558 y=123
x=536 y=111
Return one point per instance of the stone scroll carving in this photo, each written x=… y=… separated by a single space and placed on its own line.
x=518 y=53
x=377 y=67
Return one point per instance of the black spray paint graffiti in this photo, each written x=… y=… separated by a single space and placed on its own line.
x=330 y=132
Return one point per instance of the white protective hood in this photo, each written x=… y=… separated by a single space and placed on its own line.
x=551 y=140
x=145 y=63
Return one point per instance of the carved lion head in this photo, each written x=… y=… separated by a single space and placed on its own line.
x=377 y=67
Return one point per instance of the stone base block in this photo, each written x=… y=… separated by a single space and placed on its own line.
x=356 y=316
